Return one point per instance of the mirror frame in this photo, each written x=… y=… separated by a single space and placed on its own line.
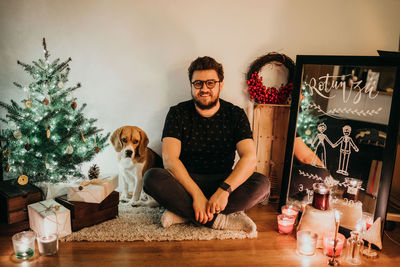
x=389 y=154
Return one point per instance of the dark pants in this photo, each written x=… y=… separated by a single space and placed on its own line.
x=169 y=193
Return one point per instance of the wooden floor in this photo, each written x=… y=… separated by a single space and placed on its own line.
x=269 y=249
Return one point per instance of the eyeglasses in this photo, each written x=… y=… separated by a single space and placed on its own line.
x=209 y=83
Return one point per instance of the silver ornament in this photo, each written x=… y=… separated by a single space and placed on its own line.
x=17 y=134
x=70 y=149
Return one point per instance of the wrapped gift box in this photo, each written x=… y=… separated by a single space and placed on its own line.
x=13 y=201
x=86 y=214
x=48 y=216
x=92 y=191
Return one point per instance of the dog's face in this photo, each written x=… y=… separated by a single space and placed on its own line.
x=130 y=141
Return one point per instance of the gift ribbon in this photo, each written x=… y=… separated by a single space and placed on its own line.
x=51 y=209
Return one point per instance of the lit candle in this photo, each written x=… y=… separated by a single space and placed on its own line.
x=306 y=242
x=329 y=242
x=24 y=245
x=48 y=244
x=320 y=196
x=285 y=224
x=290 y=210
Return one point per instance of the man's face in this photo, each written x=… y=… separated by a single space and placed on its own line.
x=206 y=98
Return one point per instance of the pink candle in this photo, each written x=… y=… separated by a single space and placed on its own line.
x=369 y=219
x=329 y=242
x=285 y=224
x=290 y=210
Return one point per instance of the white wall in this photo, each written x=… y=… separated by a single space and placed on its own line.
x=132 y=56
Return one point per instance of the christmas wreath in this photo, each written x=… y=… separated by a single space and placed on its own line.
x=269 y=95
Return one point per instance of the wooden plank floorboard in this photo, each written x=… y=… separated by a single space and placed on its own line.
x=268 y=249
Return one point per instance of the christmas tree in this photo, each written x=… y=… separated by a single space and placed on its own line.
x=48 y=137
x=307 y=122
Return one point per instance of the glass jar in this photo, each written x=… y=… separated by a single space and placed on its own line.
x=354 y=248
x=352 y=189
x=320 y=196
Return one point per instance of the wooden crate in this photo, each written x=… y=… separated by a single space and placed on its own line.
x=14 y=199
x=86 y=214
x=270 y=125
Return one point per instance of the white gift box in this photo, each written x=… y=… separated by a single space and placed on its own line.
x=48 y=217
x=92 y=191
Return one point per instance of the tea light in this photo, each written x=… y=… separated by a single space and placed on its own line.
x=328 y=242
x=306 y=242
x=353 y=186
x=48 y=244
x=290 y=210
x=321 y=196
x=285 y=224
x=24 y=245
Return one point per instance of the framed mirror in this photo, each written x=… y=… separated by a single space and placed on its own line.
x=343 y=132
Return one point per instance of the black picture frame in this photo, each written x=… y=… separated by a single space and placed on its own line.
x=389 y=154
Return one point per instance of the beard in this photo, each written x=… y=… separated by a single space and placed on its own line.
x=204 y=106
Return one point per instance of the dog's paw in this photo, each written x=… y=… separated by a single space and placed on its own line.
x=124 y=198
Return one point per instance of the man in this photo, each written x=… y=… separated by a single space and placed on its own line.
x=199 y=141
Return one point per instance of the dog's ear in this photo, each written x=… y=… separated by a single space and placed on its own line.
x=144 y=141
x=115 y=139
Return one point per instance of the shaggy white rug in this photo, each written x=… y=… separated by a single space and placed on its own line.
x=143 y=224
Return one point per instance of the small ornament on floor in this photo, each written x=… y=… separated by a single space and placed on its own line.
x=94 y=172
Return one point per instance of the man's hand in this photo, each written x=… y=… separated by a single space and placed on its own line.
x=200 y=211
x=218 y=201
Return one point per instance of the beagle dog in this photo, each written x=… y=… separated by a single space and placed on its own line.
x=135 y=158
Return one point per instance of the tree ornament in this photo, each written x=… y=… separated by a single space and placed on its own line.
x=23 y=179
x=74 y=105
x=6 y=153
x=94 y=172
x=96 y=148
x=17 y=134
x=70 y=149
x=308 y=132
x=28 y=103
x=48 y=132
x=46 y=102
x=60 y=85
x=27 y=146
x=7 y=168
x=83 y=137
x=47 y=165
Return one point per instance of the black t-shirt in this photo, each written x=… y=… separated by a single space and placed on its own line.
x=208 y=145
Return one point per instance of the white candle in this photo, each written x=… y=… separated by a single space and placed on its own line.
x=48 y=244
x=306 y=242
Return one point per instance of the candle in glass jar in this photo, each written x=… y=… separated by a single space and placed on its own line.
x=24 y=245
x=306 y=242
x=48 y=244
x=290 y=210
x=320 y=196
x=328 y=243
x=285 y=224
x=352 y=189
